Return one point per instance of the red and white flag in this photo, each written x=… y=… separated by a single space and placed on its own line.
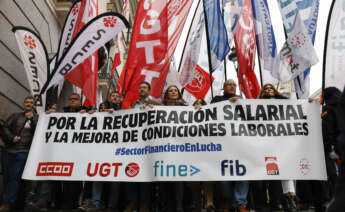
x=117 y=60
x=86 y=74
x=246 y=49
x=156 y=31
x=200 y=84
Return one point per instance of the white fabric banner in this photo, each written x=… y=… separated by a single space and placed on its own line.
x=192 y=50
x=68 y=28
x=297 y=54
x=35 y=59
x=247 y=140
x=335 y=57
x=94 y=35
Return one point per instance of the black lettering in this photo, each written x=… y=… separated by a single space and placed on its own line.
x=261 y=113
x=227 y=112
x=291 y=113
x=239 y=113
x=87 y=45
x=272 y=111
x=107 y=123
x=99 y=35
x=52 y=122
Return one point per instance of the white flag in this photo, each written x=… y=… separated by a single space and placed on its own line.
x=335 y=52
x=36 y=65
x=297 y=54
x=192 y=50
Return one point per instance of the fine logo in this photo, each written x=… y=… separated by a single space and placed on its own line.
x=163 y=169
x=29 y=42
x=304 y=166
x=109 y=22
x=132 y=170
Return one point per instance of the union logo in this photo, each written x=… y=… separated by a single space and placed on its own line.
x=298 y=40
x=109 y=22
x=198 y=83
x=29 y=42
x=75 y=10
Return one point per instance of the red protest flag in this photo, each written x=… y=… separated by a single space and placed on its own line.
x=156 y=32
x=200 y=84
x=85 y=75
x=246 y=49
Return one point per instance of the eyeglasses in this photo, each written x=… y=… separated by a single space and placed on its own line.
x=71 y=99
x=230 y=84
x=268 y=88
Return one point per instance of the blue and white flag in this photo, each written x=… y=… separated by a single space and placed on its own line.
x=265 y=39
x=309 y=10
x=232 y=12
x=217 y=32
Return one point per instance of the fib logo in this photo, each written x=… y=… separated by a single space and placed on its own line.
x=272 y=166
x=234 y=168
x=163 y=169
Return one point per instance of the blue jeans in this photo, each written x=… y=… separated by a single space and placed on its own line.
x=12 y=165
x=235 y=190
x=97 y=188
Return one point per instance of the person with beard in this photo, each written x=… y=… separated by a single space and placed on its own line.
x=18 y=133
x=141 y=191
x=113 y=102
x=66 y=192
x=229 y=189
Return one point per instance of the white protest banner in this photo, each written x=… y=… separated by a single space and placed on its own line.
x=247 y=140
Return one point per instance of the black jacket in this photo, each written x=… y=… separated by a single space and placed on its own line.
x=18 y=125
x=222 y=98
x=331 y=123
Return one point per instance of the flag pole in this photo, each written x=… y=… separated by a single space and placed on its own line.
x=185 y=44
x=325 y=47
x=208 y=51
x=225 y=74
x=260 y=70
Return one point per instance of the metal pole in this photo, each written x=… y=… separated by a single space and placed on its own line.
x=208 y=51
x=185 y=44
x=325 y=48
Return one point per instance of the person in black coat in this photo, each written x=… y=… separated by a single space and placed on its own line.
x=18 y=132
x=338 y=203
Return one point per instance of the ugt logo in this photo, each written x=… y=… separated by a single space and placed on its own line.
x=272 y=166
x=234 y=168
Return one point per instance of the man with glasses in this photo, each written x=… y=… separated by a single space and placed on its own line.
x=239 y=189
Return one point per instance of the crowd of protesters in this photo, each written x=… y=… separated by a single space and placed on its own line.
x=288 y=196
